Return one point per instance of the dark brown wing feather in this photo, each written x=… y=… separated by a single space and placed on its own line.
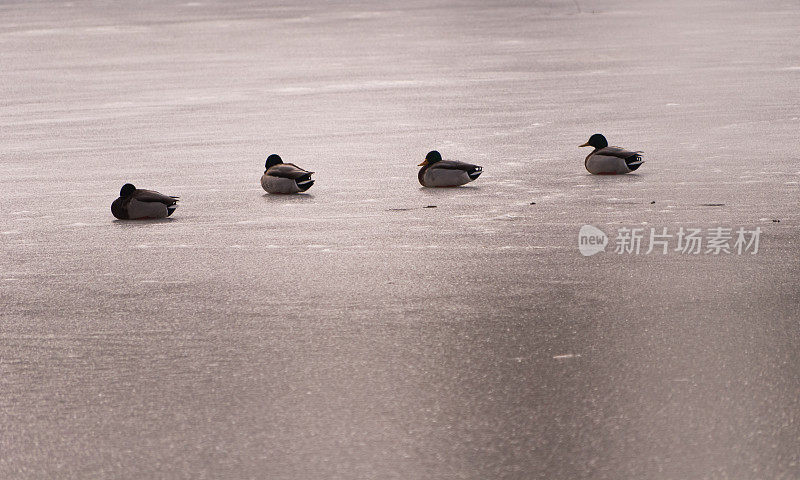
x=454 y=165
x=288 y=170
x=151 y=196
x=618 y=152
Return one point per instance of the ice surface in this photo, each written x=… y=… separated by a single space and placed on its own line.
x=351 y=332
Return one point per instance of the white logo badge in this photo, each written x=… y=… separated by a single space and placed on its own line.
x=591 y=240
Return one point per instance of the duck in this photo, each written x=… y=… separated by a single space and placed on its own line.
x=605 y=160
x=136 y=204
x=282 y=177
x=436 y=172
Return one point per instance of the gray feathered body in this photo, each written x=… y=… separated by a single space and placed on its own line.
x=144 y=204
x=286 y=178
x=612 y=161
x=448 y=173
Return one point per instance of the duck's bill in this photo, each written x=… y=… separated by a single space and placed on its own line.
x=423 y=164
x=585 y=145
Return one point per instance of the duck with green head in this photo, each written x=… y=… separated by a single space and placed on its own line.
x=436 y=172
x=138 y=204
x=606 y=160
x=282 y=177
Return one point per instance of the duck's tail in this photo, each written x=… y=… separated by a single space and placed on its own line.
x=475 y=172
x=171 y=208
x=634 y=161
x=304 y=185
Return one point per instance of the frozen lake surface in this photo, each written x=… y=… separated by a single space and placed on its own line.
x=352 y=332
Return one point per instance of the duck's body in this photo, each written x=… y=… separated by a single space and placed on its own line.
x=282 y=177
x=138 y=204
x=436 y=172
x=612 y=161
x=608 y=160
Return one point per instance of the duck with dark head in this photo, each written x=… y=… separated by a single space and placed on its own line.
x=282 y=177
x=138 y=204
x=606 y=160
x=436 y=172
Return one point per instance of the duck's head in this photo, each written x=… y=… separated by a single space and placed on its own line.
x=432 y=157
x=596 y=141
x=273 y=160
x=126 y=190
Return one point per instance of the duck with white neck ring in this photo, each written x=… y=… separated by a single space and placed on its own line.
x=605 y=160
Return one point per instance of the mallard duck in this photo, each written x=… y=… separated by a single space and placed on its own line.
x=134 y=203
x=605 y=160
x=282 y=177
x=436 y=172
